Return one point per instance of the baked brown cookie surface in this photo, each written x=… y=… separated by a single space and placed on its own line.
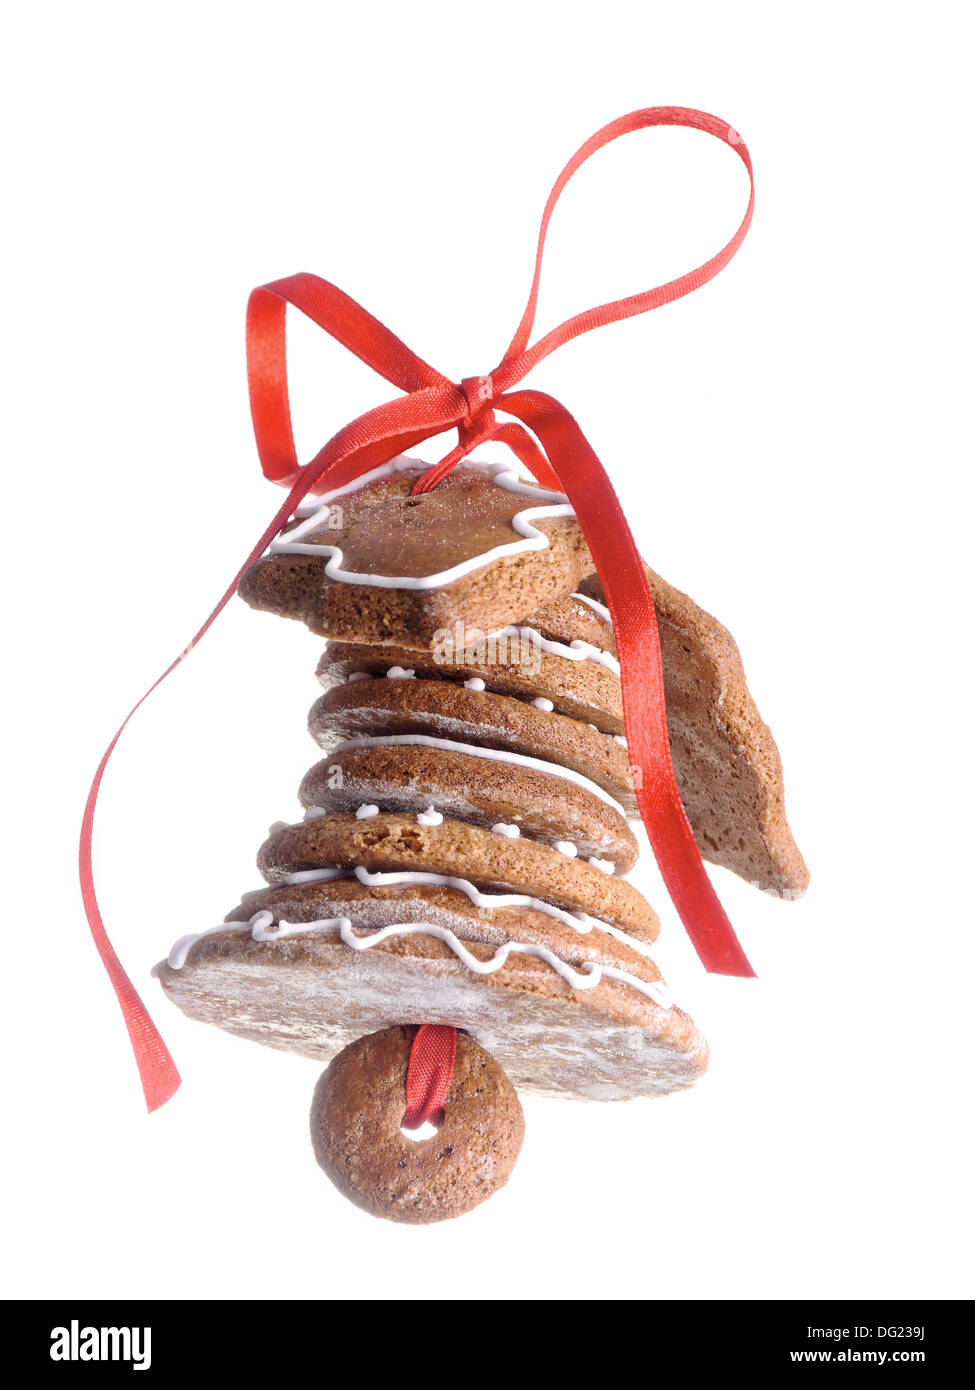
x=726 y=762
x=436 y=782
x=479 y=527
x=375 y=902
x=505 y=664
x=577 y=618
x=446 y=710
x=386 y=842
x=358 y=1141
x=313 y=994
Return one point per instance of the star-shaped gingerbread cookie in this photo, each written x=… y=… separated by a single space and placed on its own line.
x=371 y=563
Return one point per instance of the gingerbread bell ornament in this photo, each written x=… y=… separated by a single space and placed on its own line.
x=448 y=920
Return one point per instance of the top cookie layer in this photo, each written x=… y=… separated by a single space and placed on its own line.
x=373 y=564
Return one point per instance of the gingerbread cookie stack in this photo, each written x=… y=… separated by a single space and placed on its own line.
x=462 y=856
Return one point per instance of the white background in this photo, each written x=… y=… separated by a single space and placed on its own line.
x=792 y=444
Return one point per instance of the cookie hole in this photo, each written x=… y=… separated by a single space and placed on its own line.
x=412 y=501
x=426 y=1131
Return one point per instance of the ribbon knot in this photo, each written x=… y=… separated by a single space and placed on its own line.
x=544 y=437
x=478 y=425
x=479 y=393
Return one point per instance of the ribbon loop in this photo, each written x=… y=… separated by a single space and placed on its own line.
x=343 y=319
x=519 y=358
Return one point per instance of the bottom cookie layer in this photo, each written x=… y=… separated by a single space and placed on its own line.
x=313 y=995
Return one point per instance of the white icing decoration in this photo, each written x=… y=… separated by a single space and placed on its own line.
x=430 y=816
x=262 y=928
x=359 y=676
x=606 y=866
x=315 y=813
x=366 y=812
x=277 y=825
x=312 y=876
x=495 y=754
x=567 y=848
x=599 y=608
x=576 y=650
x=397 y=673
x=276 y=931
x=389 y=878
x=620 y=739
x=502 y=475
x=180 y=949
x=475 y=683
x=510 y=832
x=542 y=703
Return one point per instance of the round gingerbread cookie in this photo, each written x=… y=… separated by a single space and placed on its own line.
x=356 y=1133
x=405 y=704
x=437 y=782
x=505 y=664
x=387 y=841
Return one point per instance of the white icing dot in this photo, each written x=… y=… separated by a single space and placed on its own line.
x=567 y=848
x=431 y=816
x=542 y=703
x=315 y=813
x=276 y=826
x=620 y=739
x=366 y=812
x=359 y=676
x=475 y=683
x=399 y=673
x=511 y=832
x=605 y=866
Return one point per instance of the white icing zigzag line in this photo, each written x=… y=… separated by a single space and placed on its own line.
x=261 y=928
x=502 y=475
x=496 y=754
x=578 y=921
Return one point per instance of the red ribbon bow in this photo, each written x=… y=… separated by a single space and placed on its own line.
x=546 y=438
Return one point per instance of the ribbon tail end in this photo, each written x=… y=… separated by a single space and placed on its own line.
x=730 y=961
x=159 y=1089
x=738 y=969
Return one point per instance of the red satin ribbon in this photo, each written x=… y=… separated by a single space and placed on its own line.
x=428 y=1074
x=544 y=436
